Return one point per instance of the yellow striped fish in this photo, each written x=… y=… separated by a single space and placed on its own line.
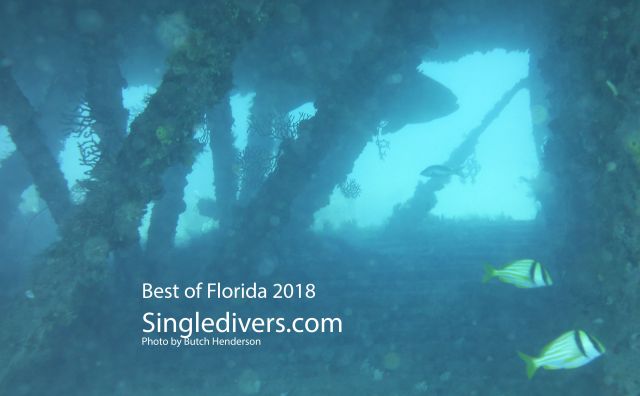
x=526 y=274
x=573 y=349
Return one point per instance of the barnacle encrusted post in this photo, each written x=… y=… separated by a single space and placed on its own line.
x=591 y=151
x=166 y=211
x=225 y=161
x=14 y=179
x=104 y=99
x=257 y=155
x=347 y=115
x=74 y=270
x=18 y=115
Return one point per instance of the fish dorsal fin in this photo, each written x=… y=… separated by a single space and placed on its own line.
x=519 y=264
x=558 y=340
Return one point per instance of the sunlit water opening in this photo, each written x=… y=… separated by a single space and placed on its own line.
x=504 y=158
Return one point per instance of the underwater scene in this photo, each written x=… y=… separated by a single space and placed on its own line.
x=306 y=198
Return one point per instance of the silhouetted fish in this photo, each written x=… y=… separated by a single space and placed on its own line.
x=413 y=98
x=440 y=171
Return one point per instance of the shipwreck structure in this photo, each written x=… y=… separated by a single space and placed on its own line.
x=63 y=58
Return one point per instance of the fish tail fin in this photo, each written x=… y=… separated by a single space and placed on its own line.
x=532 y=367
x=489 y=272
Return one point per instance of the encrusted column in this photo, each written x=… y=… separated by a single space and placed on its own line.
x=593 y=71
x=167 y=210
x=74 y=270
x=20 y=118
x=225 y=161
x=347 y=114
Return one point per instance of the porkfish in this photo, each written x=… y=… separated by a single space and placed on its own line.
x=573 y=349
x=525 y=274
